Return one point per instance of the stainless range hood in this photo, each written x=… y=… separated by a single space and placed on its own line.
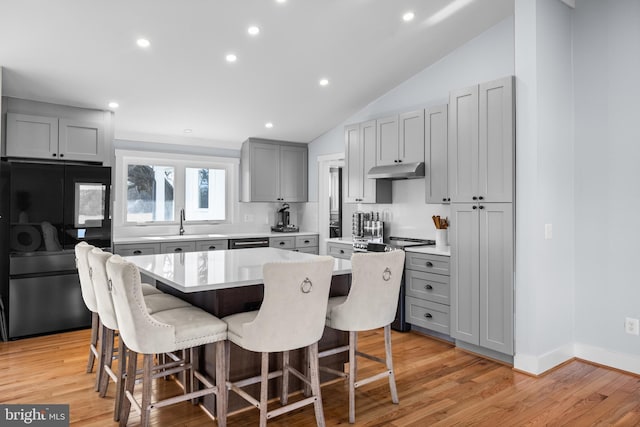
x=397 y=171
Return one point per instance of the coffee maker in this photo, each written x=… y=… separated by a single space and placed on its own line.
x=282 y=220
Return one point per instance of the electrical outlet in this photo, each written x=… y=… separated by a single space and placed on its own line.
x=548 y=231
x=632 y=326
x=248 y=218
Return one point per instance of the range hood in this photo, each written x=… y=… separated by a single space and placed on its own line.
x=397 y=171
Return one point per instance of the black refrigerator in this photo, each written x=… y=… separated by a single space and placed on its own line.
x=45 y=210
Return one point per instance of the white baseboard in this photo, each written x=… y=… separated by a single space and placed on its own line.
x=537 y=365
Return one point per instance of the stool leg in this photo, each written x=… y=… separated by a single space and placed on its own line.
x=122 y=375
x=95 y=326
x=353 y=343
x=389 y=358
x=314 y=376
x=187 y=375
x=147 y=368
x=130 y=384
x=264 y=388
x=284 y=396
x=102 y=348
x=221 y=384
x=106 y=359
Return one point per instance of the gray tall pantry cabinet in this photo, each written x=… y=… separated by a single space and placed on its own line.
x=481 y=187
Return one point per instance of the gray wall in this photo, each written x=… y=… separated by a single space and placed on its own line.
x=607 y=176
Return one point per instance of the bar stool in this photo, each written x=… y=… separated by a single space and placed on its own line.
x=162 y=332
x=371 y=304
x=97 y=261
x=89 y=298
x=291 y=316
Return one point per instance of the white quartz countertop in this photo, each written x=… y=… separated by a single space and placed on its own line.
x=213 y=236
x=431 y=250
x=215 y=270
x=343 y=240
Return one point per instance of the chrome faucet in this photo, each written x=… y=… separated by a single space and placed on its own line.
x=181 y=220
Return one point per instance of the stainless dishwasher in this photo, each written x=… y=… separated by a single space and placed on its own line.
x=253 y=242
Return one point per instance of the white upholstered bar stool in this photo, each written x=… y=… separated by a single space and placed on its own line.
x=89 y=298
x=97 y=261
x=291 y=316
x=162 y=332
x=371 y=304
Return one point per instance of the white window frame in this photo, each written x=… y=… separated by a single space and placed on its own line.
x=179 y=162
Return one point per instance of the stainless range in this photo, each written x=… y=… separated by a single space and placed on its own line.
x=393 y=243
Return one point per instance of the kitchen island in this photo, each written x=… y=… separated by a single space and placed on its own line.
x=228 y=282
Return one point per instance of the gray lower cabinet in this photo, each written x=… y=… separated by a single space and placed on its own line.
x=340 y=250
x=304 y=243
x=212 y=245
x=427 y=291
x=168 y=247
x=129 y=249
x=435 y=153
x=481 y=238
x=273 y=171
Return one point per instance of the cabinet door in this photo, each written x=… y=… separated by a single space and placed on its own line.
x=32 y=136
x=465 y=296
x=463 y=144
x=353 y=164
x=137 y=249
x=436 y=141
x=169 y=247
x=212 y=245
x=411 y=137
x=338 y=250
x=373 y=190
x=293 y=174
x=496 y=141
x=496 y=276
x=265 y=172
x=80 y=141
x=387 y=141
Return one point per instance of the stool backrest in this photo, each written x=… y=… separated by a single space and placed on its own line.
x=375 y=286
x=98 y=265
x=86 y=286
x=293 y=310
x=139 y=330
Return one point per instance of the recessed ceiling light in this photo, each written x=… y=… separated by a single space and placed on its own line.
x=188 y=130
x=253 y=30
x=113 y=105
x=143 y=42
x=323 y=82
x=281 y=1
x=408 y=16
x=231 y=57
x=268 y=125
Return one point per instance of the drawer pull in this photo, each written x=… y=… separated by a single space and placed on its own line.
x=137 y=252
x=428 y=315
x=212 y=248
x=428 y=287
x=429 y=264
x=341 y=251
x=306 y=241
x=281 y=243
x=177 y=250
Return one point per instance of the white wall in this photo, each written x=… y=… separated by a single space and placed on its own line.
x=544 y=186
x=489 y=56
x=607 y=176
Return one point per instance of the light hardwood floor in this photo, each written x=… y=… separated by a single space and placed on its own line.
x=437 y=384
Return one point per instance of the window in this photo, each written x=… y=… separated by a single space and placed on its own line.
x=154 y=187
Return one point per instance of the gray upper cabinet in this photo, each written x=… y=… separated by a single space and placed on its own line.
x=481 y=141
x=273 y=171
x=360 y=151
x=481 y=237
x=435 y=149
x=41 y=137
x=400 y=138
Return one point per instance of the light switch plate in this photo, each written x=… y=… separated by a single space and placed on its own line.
x=632 y=326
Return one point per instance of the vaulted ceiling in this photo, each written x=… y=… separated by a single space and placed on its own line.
x=84 y=53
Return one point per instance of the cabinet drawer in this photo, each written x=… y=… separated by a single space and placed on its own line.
x=313 y=250
x=169 y=247
x=429 y=263
x=339 y=251
x=137 y=249
x=306 y=241
x=428 y=286
x=429 y=315
x=211 y=245
x=283 y=242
